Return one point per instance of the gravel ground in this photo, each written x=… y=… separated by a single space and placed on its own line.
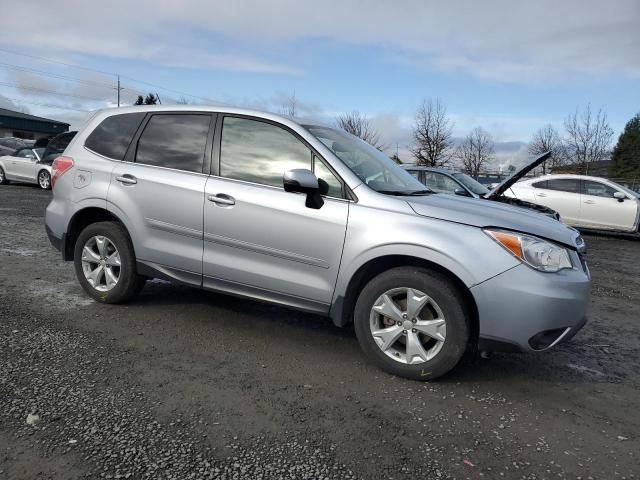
x=186 y=384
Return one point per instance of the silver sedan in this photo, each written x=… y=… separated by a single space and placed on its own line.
x=25 y=165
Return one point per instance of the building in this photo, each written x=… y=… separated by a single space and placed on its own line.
x=30 y=127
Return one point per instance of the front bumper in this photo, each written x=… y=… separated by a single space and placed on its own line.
x=526 y=310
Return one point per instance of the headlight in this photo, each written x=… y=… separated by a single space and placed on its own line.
x=535 y=252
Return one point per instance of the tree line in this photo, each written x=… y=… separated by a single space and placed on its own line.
x=586 y=139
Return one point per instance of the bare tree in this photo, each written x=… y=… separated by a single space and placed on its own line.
x=588 y=137
x=358 y=124
x=475 y=151
x=289 y=107
x=182 y=101
x=547 y=139
x=432 y=137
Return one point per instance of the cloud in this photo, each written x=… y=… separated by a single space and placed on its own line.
x=522 y=42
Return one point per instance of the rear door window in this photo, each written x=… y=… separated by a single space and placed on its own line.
x=175 y=141
x=569 y=185
x=112 y=137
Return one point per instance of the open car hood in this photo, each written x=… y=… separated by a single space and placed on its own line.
x=506 y=184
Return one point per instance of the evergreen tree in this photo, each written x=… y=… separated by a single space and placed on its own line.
x=625 y=159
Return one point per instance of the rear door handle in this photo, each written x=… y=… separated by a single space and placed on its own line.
x=127 y=179
x=590 y=202
x=222 y=199
x=541 y=194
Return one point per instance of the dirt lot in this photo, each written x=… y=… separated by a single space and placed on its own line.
x=187 y=384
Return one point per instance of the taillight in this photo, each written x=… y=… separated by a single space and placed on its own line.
x=59 y=166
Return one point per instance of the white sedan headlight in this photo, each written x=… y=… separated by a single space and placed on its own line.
x=535 y=252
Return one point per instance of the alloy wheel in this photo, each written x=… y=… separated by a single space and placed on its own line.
x=101 y=263
x=43 y=180
x=407 y=325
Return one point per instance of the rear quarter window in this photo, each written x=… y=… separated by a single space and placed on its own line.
x=112 y=137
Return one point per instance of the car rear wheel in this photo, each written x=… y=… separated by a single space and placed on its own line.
x=105 y=263
x=44 y=180
x=412 y=322
x=3 y=177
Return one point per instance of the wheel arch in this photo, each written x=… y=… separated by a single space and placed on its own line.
x=80 y=220
x=342 y=308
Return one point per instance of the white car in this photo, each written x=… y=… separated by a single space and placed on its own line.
x=581 y=201
x=25 y=165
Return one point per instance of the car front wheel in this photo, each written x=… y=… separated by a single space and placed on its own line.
x=3 y=177
x=412 y=322
x=105 y=263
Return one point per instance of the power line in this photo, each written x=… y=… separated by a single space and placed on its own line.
x=36 y=89
x=57 y=61
x=49 y=105
x=54 y=75
x=37 y=57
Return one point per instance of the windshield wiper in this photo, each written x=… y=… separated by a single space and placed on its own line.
x=401 y=193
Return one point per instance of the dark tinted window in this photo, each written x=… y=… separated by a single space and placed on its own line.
x=564 y=185
x=260 y=152
x=174 y=141
x=542 y=184
x=112 y=137
x=589 y=187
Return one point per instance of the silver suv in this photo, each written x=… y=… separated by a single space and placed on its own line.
x=309 y=217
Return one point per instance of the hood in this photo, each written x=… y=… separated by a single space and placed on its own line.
x=506 y=184
x=470 y=211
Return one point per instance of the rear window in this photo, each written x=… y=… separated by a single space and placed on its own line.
x=112 y=137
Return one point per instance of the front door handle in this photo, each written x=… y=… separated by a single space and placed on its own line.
x=127 y=179
x=590 y=202
x=222 y=199
x=541 y=194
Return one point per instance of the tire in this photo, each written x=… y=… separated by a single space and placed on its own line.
x=3 y=177
x=44 y=180
x=444 y=316
x=128 y=283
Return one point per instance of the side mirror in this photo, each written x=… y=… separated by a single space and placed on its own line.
x=301 y=180
x=461 y=191
x=620 y=196
x=30 y=157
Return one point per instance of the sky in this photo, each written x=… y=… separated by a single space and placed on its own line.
x=508 y=66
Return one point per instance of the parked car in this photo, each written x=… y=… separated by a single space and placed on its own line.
x=582 y=201
x=25 y=165
x=444 y=180
x=309 y=217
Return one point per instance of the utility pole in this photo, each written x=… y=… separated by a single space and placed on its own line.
x=119 y=88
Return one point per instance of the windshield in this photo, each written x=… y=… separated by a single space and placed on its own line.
x=473 y=185
x=370 y=165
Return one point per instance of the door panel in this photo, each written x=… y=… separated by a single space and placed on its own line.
x=164 y=209
x=561 y=194
x=600 y=209
x=268 y=239
x=162 y=192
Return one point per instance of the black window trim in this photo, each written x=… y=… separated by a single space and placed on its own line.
x=347 y=193
x=132 y=150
